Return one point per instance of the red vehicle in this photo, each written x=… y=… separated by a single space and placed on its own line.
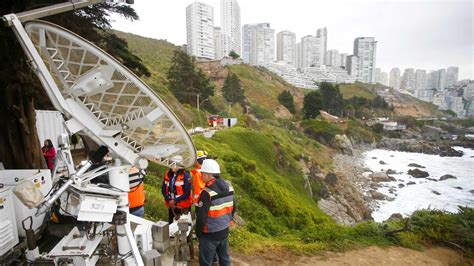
x=214 y=120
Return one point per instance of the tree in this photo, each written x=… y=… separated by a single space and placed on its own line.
x=312 y=103
x=234 y=55
x=286 y=99
x=185 y=82
x=20 y=90
x=332 y=100
x=232 y=90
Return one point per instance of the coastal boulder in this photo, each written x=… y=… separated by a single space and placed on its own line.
x=450 y=152
x=417 y=173
x=377 y=195
x=444 y=177
x=411 y=183
x=382 y=162
x=342 y=143
x=381 y=177
x=416 y=165
x=390 y=172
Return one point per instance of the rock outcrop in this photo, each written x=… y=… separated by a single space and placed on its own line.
x=417 y=173
x=444 y=177
x=343 y=144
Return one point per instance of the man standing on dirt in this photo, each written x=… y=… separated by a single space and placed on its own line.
x=216 y=207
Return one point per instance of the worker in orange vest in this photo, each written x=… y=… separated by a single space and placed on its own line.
x=176 y=190
x=198 y=184
x=214 y=213
x=136 y=195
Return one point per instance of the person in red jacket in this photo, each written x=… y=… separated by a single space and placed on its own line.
x=49 y=154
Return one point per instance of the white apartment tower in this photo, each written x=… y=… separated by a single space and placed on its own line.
x=258 y=44
x=332 y=58
x=420 y=79
x=322 y=34
x=310 y=51
x=408 y=80
x=231 y=29
x=442 y=79
x=352 y=65
x=298 y=56
x=365 y=48
x=218 y=43
x=452 y=76
x=395 y=78
x=286 y=47
x=200 y=30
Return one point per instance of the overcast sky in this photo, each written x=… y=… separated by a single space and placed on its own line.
x=419 y=34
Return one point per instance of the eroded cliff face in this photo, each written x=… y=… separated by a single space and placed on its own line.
x=337 y=195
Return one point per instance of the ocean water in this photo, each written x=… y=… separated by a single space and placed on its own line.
x=410 y=198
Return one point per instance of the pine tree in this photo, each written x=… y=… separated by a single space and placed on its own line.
x=286 y=99
x=232 y=90
x=312 y=103
x=234 y=55
x=185 y=82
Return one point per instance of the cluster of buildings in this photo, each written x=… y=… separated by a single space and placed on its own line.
x=300 y=62
x=441 y=87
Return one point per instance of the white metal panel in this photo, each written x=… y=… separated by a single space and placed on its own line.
x=8 y=230
x=49 y=124
x=42 y=180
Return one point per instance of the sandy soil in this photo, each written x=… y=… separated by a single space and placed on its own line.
x=368 y=256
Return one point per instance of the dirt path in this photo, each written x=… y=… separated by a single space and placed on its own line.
x=368 y=256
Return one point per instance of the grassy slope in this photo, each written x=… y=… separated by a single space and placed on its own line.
x=356 y=89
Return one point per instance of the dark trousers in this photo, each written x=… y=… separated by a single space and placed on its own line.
x=209 y=247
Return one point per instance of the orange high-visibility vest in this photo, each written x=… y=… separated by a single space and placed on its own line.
x=198 y=184
x=179 y=187
x=136 y=195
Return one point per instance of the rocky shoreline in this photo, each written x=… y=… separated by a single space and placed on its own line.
x=350 y=166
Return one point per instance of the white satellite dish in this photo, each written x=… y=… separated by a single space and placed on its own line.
x=108 y=101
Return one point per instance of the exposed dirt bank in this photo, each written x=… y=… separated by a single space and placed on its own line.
x=367 y=256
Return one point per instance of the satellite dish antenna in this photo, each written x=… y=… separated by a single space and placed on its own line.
x=107 y=101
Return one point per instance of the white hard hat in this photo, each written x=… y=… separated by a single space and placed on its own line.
x=210 y=166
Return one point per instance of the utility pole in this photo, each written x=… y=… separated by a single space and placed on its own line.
x=197 y=102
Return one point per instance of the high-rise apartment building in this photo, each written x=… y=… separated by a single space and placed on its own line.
x=408 y=80
x=218 y=43
x=322 y=34
x=442 y=79
x=343 y=59
x=286 y=47
x=310 y=51
x=377 y=75
x=298 y=56
x=200 y=30
x=395 y=78
x=258 y=44
x=365 y=49
x=432 y=80
x=420 y=79
x=231 y=27
x=384 y=78
x=333 y=58
x=452 y=76
x=352 y=65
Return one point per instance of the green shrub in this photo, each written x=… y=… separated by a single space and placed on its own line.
x=322 y=131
